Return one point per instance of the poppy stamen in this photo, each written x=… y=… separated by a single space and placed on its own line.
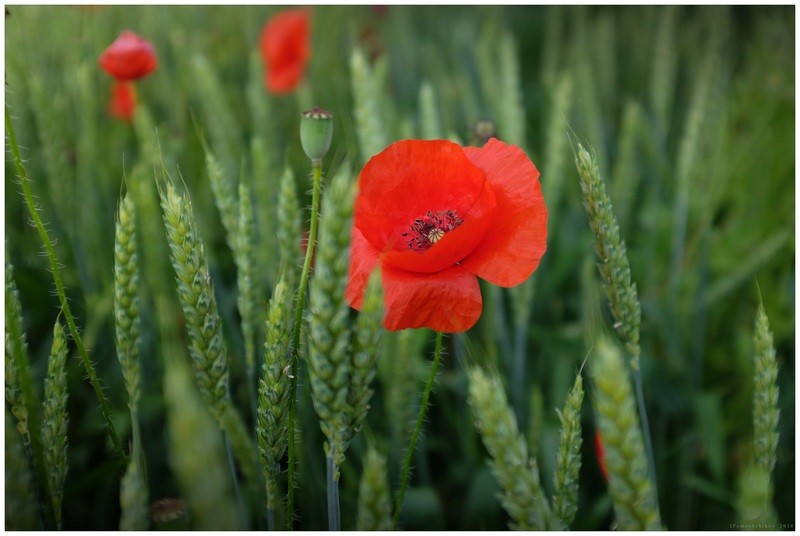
x=429 y=229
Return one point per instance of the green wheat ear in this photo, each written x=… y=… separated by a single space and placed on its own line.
x=126 y=299
x=517 y=474
x=399 y=364
x=274 y=389
x=765 y=396
x=248 y=296
x=203 y=323
x=755 y=492
x=290 y=225
x=216 y=111
x=568 y=458
x=369 y=119
x=23 y=404
x=554 y=160
x=374 y=502
x=223 y=188
x=613 y=263
x=498 y=70
x=366 y=344
x=55 y=420
x=329 y=319
x=430 y=124
x=18 y=386
x=631 y=490
x=625 y=172
x=664 y=67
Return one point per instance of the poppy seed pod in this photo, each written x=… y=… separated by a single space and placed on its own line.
x=316 y=131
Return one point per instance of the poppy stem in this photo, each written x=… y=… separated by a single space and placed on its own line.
x=298 y=319
x=437 y=355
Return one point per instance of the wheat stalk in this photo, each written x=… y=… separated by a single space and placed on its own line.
x=133 y=492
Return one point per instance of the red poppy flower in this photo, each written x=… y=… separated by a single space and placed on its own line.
x=123 y=101
x=129 y=57
x=286 y=49
x=434 y=216
x=600 y=452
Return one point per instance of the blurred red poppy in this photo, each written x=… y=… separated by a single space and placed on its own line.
x=123 y=101
x=128 y=58
x=600 y=452
x=286 y=49
x=434 y=216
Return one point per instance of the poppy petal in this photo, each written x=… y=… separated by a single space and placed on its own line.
x=407 y=180
x=448 y=301
x=363 y=259
x=511 y=251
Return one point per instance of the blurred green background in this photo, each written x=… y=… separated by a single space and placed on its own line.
x=689 y=111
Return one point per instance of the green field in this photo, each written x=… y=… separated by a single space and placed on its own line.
x=688 y=114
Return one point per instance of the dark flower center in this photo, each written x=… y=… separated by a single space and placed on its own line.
x=430 y=228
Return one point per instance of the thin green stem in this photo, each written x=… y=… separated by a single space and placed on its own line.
x=51 y=256
x=234 y=479
x=518 y=368
x=437 y=355
x=334 y=513
x=298 y=319
x=648 y=443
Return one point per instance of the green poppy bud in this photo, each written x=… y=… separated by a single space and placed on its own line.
x=316 y=131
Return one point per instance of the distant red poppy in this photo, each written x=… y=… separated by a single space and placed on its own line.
x=600 y=452
x=286 y=49
x=128 y=58
x=434 y=216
